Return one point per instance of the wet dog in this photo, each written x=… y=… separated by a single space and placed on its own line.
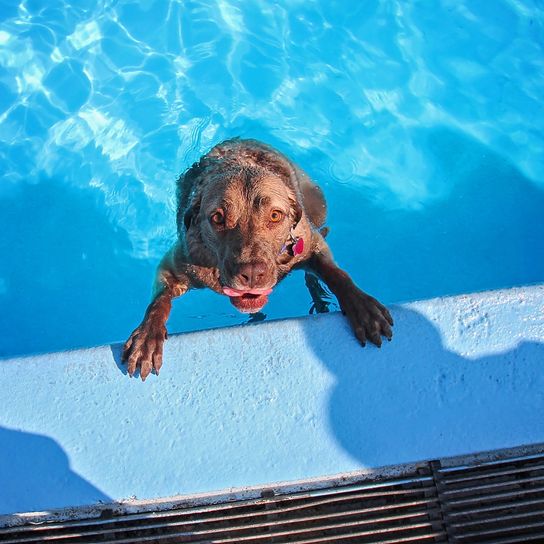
x=246 y=217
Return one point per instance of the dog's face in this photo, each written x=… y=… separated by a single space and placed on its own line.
x=244 y=219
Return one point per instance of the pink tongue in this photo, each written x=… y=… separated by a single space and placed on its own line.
x=239 y=292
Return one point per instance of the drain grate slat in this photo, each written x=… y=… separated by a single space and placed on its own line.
x=538 y=537
x=488 y=463
x=347 y=529
x=481 y=489
x=402 y=500
x=501 y=519
x=160 y=523
x=429 y=537
x=496 y=497
x=493 y=501
x=510 y=495
x=516 y=529
x=496 y=508
x=301 y=501
x=375 y=502
x=478 y=476
x=193 y=525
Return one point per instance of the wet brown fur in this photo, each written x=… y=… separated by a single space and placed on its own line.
x=246 y=179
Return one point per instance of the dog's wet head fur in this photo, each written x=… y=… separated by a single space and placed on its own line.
x=240 y=222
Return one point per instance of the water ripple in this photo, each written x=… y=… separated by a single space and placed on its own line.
x=135 y=92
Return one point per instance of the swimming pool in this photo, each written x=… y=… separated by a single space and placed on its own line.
x=423 y=122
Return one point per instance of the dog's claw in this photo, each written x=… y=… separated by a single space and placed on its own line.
x=369 y=319
x=375 y=338
x=143 y=350
x=157 y=362
x=387 y=332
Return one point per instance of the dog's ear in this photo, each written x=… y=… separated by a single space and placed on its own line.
x=295 y=196
x=190 y=214
x=296 y=206
x=188 y=218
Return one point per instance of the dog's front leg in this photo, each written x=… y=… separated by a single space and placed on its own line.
x=369 y=319
x=143 y=349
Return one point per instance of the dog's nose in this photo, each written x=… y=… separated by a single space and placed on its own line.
x=251 y=274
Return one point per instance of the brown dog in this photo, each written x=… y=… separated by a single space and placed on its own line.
x=246 y=217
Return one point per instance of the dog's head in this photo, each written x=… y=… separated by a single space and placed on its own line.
x=246 y=219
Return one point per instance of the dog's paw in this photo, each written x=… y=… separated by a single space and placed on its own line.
x=369 y=319
x=143 y=350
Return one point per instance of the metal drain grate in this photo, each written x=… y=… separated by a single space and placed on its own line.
x=500 y=502
x=496 y=497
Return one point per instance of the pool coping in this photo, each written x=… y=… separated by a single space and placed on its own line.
x=499 y=331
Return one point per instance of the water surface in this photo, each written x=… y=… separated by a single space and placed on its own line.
x=422 y=121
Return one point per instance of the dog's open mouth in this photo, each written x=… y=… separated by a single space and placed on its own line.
x=247 y=301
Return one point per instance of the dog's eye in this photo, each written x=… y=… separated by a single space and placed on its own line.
x=276 y=216
x=218 y=218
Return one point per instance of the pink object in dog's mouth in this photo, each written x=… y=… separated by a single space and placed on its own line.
x=247 y=300
x=230 y=292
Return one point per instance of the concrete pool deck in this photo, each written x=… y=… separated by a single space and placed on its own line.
x=272 y=402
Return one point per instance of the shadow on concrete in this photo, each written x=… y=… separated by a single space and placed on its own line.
x=414 y=399
x=117 y=353
x=35 y=475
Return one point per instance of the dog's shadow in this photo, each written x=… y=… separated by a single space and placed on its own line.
x=117 y=354
x=415 y=398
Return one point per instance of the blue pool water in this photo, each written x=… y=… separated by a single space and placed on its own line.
x=422 y=121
